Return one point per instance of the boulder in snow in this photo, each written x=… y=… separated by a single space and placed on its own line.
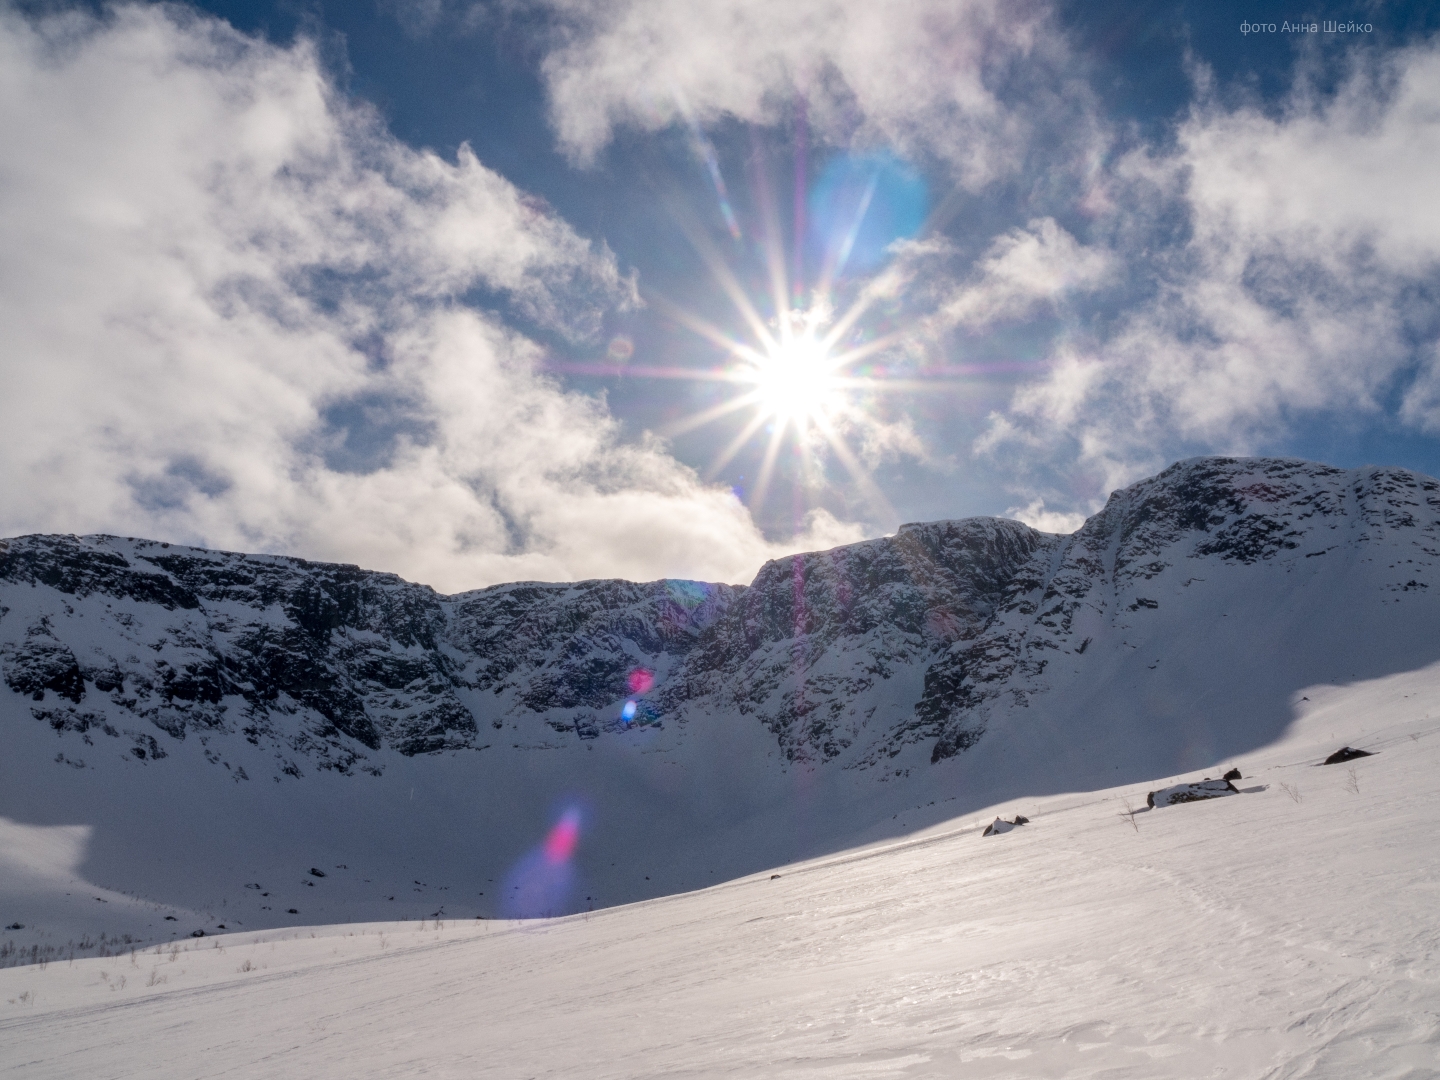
x=1000 y=825
x=1346 y=753
x=1182 y=793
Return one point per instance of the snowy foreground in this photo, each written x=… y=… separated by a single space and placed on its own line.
x=1289 y=930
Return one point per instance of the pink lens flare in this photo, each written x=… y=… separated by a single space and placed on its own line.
x=641 y=680
x=560 y=844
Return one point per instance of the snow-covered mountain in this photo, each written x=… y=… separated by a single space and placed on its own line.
x=232 y=706
x=327 y=665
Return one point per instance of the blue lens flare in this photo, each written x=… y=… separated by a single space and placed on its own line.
x=860 y=205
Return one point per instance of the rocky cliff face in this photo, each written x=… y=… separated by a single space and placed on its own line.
x=328 y=664
x=1198 y=521
x=827 y=649
x=845 y=656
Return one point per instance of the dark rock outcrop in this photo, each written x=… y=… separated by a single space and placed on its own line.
x=1345 y=753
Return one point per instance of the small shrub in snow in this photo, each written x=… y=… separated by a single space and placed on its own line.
x=1128 y=816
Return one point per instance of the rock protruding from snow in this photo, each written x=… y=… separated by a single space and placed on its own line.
x=1345 y=753
x=1000 y=825
x=1194 y=792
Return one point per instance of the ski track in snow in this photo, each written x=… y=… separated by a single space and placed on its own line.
x=1246 y=936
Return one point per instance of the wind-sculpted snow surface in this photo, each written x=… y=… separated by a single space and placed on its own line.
x=1287 y=930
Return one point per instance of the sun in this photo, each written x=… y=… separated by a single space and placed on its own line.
x=795 y=380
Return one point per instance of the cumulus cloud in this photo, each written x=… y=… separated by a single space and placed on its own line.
x=967 y=80
x=1305 y=284
x=239 y=313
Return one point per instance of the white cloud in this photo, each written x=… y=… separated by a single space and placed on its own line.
x=1023 y=271
x=1314 y=239
x=1037 y=516
x=205 y=254
x=925 y=73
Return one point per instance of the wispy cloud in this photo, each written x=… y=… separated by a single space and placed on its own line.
x=1024 y=272
x=216 y=274
x=1303 y=284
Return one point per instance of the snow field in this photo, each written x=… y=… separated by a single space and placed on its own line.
x=1288 y=931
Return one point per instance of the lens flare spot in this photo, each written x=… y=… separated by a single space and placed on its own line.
x=861 y=204
x=641 y=679
x=560 y=844
x=627 y=713
x=621 y=349
x=542 y=882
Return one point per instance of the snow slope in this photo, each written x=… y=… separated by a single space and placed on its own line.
x=1258 y=935
x=326 y=717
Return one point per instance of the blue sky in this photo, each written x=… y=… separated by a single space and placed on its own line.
x=544 y=288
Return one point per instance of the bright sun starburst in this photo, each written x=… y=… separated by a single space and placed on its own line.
x=795 y=379
x=797 y=373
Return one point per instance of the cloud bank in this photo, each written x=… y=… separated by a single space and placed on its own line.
x=968 y=81
x=240 y=313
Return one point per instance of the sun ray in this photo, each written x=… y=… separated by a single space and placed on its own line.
x=767 y=467
x=853 y=314
x=860 y=352
x=727 y=281
x=707 y=330
x=770 y=217
x=710 y=415
x=879 y=504
x=835 y=265
x=735 y=445
x=648 y=371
